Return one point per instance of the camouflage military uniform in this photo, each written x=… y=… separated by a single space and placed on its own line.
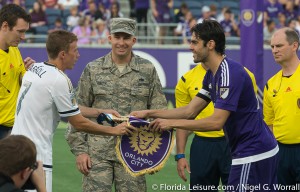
x=103 y=86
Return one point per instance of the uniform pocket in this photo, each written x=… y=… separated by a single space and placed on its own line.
x=103 y=96
x=139 y=97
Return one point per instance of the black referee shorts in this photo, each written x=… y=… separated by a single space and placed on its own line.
x=289 y=165
x=210 y=162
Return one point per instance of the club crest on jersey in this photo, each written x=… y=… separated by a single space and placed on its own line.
x=298 y=103
x=73 y=99
x=224 y=92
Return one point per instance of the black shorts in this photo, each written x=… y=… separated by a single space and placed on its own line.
x=289 y=165
x=210 y=161
x=4 y=131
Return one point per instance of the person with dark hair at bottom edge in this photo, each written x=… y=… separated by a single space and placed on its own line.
x=18 y=164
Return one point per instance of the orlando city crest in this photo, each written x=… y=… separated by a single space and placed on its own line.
x=247 y=17
x=145 y=150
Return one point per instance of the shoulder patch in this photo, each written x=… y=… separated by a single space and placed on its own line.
x=224 y=92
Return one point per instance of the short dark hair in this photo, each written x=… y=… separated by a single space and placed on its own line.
x=210 y=30
x=292 y=36
x=17 y=152
x=11 y=13
x=58 y=41
x=228 y=11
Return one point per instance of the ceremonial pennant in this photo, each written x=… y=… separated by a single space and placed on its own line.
x=145 y=151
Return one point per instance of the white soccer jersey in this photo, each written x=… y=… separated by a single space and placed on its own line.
x=45 y=95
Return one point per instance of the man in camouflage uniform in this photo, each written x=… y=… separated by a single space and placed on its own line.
x=123 y=82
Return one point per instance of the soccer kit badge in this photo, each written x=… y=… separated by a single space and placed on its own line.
x=145 y=151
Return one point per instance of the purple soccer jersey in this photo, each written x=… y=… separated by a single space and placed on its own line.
x=142 y=4
x=231 y=89
x=163 y=11
x=227 y=27
x=273 y=9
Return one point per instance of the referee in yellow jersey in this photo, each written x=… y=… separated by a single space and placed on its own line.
x=14 y=22
x=282 y=106
x=210 y=157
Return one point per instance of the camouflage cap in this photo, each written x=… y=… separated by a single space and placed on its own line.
x=124 y=25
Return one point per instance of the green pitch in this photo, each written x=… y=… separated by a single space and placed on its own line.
x=66 y=178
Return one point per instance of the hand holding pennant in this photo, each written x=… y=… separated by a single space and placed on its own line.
x=144 y=151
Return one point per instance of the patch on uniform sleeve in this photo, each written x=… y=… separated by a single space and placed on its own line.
x=298 y=103
x=73 y=99
x=224 y=92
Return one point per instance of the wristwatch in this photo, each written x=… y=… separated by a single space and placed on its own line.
x=179 y=156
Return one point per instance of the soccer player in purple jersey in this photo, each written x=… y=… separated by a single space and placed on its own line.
x=228 y=85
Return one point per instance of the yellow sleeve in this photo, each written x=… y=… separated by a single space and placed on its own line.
x=181 y=94
x=253 y=79
x=22 y=67
x=23 y=70
x=267 y=107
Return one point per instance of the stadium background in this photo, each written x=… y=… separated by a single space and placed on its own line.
x=171 y=62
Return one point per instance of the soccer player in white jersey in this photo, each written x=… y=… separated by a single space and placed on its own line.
x=46 y=94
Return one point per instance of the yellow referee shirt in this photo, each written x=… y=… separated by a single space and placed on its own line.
x=11 y=68
x=187 y=88
x=282 y=106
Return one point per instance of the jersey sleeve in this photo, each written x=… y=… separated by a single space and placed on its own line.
x=64 y=97
x=252 y=79
x=229 y=89
x=204 y=91
x=267 y=109
x=22 y=69
x=181 y=93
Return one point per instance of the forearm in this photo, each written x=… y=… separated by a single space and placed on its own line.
x=41 y=189
x=82 y=124
x=181 y=139
x=89 y=112
x=177 y=113
x=202 y=125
